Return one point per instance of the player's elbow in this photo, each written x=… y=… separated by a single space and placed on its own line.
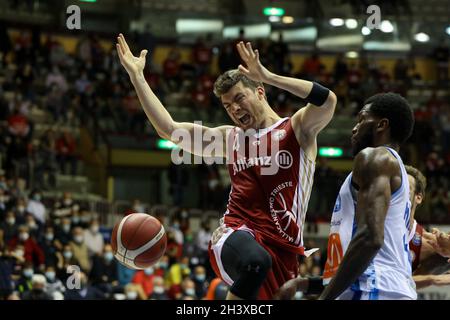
x=166 y=132
x=332 y=99
x=375 y=242
x=373 y=239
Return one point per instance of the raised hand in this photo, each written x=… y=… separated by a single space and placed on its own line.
x=254 y=70
x=133 y=65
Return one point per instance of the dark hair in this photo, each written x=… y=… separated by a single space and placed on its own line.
x=397 y=110
x=229 y=79
x=421 y=181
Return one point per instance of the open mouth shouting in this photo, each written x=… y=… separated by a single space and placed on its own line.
x=245 y=119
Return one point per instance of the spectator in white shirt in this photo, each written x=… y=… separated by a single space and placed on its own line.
x=36 y=208
x=93 y=239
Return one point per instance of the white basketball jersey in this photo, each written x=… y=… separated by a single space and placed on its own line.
x=389 y=273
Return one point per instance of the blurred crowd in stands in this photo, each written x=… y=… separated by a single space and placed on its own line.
x=60 y=251
x=38 y=240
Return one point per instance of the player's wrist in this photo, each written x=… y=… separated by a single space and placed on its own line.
x=136 y=76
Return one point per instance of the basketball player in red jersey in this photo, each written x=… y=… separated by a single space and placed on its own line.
x=427 y=263
x=270 y=161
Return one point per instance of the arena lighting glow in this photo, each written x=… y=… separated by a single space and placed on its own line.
x=166 y=144
x=352 y=54
x=351 y=23
x=88 y=0
x=386 y=26
x=365 y=31
x=287 y=19
x=271 y=11
x=274 y=19
x=330 y=152
x=448 y=30
x=337 y=22
x=422 y=37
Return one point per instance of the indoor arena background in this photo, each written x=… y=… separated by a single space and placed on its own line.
x=77 y=151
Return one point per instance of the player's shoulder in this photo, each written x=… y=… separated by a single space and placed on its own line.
x=376 y=159
x=375 y=156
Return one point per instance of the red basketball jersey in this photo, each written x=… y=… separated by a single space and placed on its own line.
x=271 y=180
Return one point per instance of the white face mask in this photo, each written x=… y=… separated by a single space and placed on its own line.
x=32 y=225
x=149 y=271
x=21 y=209
x=94 y=229
x=10 y=221
x=158 y=290
x=20 y=253
x=131 y=295
x=190 y=292
x=24 y=236
x=78 y=239
x=67 y=254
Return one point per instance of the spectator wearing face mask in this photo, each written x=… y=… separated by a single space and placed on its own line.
x=20 y=210
x=94 y=239
x=175 y=275
x=176 y=231
x=79 y=249
x=187 y=289
x=38 y=291
x=33 y=227
x=162 y=266
x=84 y=291
x=144 y=278
x=159 y=291
x=65 y=259
x=24 y=282
x=4 y=198
x=63 y=233
x=6 y=269
x=65 y=206
x=134 y=292
x=104 y=271
x=53 y=283
x=201 y=285
x=36 y=207
x=50 y=246
x=32 y=251
x=9 y=226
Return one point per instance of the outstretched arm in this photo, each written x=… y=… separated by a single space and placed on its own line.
x=161 y=120
x=432 y=280
x=308 y=121
x=441 y=243
x=372 y=172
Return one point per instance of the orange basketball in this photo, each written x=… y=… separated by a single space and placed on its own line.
x=138 y=241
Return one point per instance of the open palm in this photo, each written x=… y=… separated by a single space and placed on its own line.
x=254 y=70
x=132 y=64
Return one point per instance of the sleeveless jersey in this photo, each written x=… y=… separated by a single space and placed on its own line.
x=390 y=270
x=415 y=244
x=271 y=180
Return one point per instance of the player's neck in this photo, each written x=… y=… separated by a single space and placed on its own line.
x=269 y=119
